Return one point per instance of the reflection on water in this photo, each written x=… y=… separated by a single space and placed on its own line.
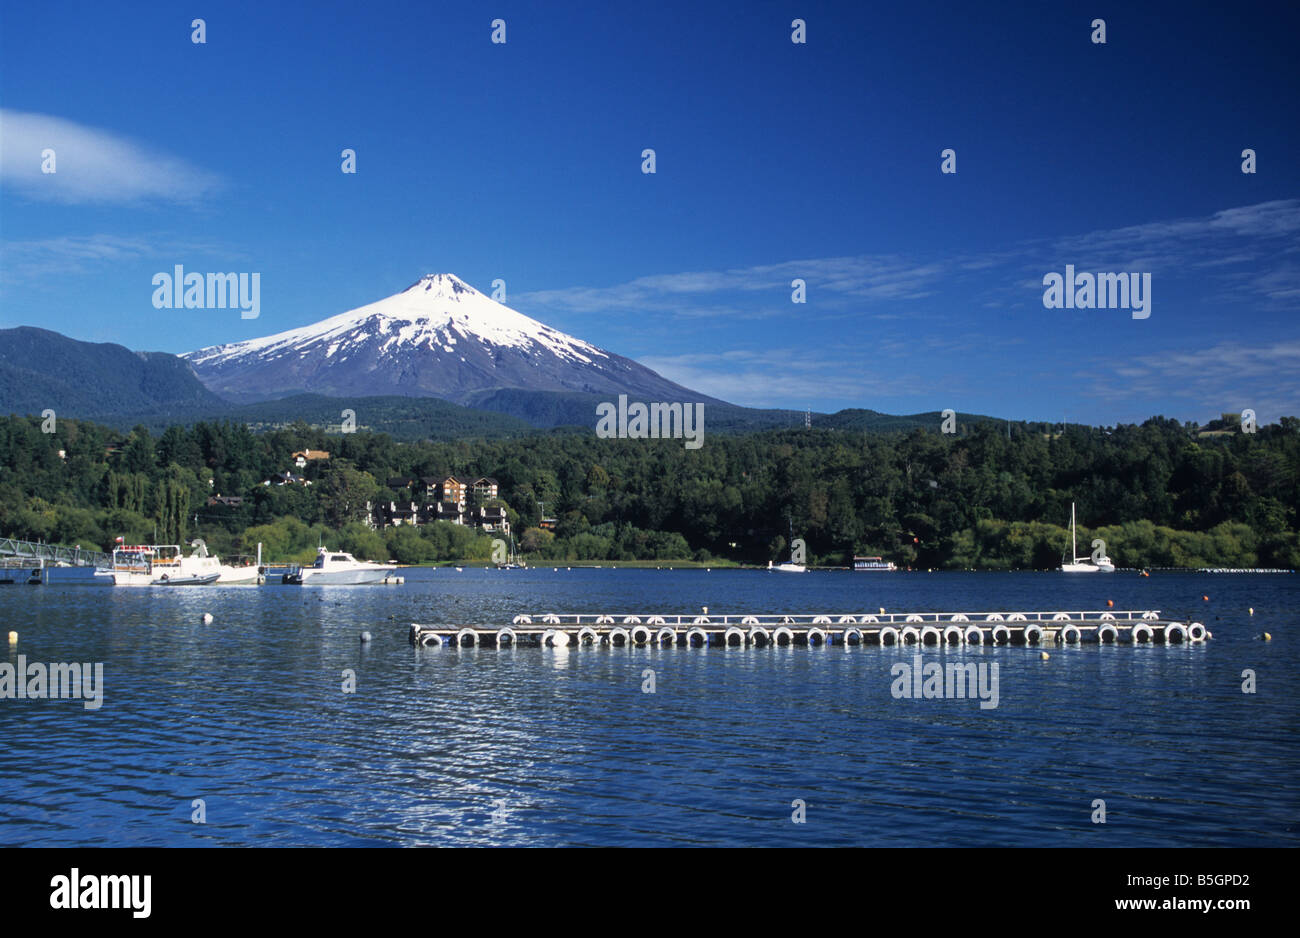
x=565 y=746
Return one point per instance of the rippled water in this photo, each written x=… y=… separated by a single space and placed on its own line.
x=561 y=746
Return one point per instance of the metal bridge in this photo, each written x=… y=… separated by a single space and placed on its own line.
x=53 y=553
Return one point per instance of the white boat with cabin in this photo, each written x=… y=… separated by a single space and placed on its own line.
x=338 y=568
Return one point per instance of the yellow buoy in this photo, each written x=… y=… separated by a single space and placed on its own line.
x=1267 y=637
x=1043 y=655
x=13 y=638
x=1252 y=610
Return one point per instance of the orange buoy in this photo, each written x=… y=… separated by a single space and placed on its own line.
x=1110 y=602
x=1206 y=598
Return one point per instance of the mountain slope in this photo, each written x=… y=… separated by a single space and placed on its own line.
x=438 y=338
x=40 y=369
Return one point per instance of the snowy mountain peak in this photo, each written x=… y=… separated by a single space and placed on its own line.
x=439 y=337
x=447 y=285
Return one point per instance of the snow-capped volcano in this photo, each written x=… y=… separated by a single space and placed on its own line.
x=438 y=338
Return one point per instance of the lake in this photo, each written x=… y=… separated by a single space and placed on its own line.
x=530 y=746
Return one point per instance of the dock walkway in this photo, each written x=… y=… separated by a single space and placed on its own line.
x=766 y=629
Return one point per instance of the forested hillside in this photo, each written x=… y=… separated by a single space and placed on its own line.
x=1159 y=494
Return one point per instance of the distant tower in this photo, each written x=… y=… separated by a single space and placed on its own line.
x=807 y=418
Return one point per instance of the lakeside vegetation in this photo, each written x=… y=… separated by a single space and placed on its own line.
x=1159 y=494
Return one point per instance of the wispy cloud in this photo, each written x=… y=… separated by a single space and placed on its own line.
x=1209 y=252
x=87 y=254
x=92 y=165
x=1224 y=377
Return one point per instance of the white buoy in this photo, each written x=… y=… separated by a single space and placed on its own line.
x=207 y=618
x=706 y=609
x=1252 y=610
x=365 y=637
x=560 y=640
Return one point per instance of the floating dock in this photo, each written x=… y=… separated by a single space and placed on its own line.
x=897 y=628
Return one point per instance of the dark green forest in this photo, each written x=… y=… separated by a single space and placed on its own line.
x=1160 y=494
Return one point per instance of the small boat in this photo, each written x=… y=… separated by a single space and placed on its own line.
x=869 y=564
x=1101 y=564
x=337 y=568
x=787 y=567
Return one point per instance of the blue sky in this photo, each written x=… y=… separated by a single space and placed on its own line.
x=820 y=161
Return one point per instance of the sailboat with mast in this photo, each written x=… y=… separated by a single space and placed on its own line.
x=1100 y=564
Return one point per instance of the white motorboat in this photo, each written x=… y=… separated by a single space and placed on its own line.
x=337 y=568
x=1100 y=564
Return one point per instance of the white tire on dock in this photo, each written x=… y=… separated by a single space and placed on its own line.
x=1151 y=615
x=1175 y=629
x=847 y=620
x=655 y=620
x=783 y=631
x=1070 y=635
x=759 y=636
x=869 y=620
x=910 y=635
x=631 y=620
x=853 y=636
x=618 y=636
x=1017 y=617
x=787 y=620
x=1196 y=632
x=953 y=635
x=467 y=633
x=551 y=619
x=560 y=639
x=695 y=633
x=431 y=638
x=1033 y=634
x=931 y=632
x=960 y=617
x=888 y=636
x=1140 y=633
x=995 y=617
x=914 y=618
x=505 y=636
x=604 y=620
x=641 y=635
x=736 y=633
x=1107 y=634
x=974 y=636
x=588 y=636
x=815 y=637
x=1061 y=617
x=522 y=620
x=1108 y=616
x=821 y=620
x=1001 y=635
x=701 y=620
x=665 y=634
x=749 y=620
